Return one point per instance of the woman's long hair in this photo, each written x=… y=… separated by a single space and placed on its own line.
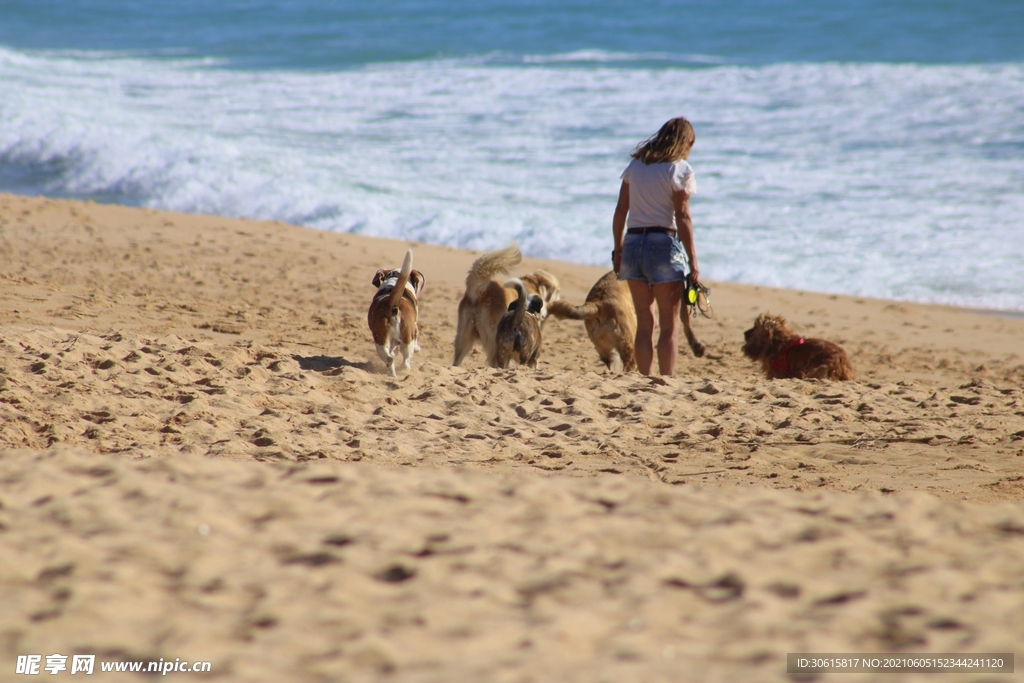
x=671 y=143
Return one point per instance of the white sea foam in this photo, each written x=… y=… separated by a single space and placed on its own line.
x=897 y=181
x=607 y=57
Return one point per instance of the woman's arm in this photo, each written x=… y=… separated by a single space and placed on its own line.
x=619 y=224
x=684 y=225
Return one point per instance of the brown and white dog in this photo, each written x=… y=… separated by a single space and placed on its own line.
x=394 y=311
x=486 y=301
x=610 y=318
x=784 y=355
x=518 y=334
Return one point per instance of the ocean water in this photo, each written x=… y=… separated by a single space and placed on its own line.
x=872 y=148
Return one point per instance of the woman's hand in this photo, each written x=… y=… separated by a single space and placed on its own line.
x=617 y=259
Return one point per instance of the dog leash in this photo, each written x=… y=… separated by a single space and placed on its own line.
x=698 y=298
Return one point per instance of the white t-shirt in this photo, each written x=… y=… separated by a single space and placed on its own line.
x=650 y=192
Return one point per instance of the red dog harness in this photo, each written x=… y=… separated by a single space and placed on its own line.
x=782 y=364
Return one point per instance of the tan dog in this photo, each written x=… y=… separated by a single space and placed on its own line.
x=783 y=354
x=610 y=318
x=518 y=334
x=394 y=311
x=486 y=300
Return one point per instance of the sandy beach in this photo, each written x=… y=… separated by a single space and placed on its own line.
x=202 y=458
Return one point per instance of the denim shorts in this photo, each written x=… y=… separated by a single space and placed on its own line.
x=653 y=258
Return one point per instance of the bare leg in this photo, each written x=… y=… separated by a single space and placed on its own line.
x=669 y=298
x=643 y=301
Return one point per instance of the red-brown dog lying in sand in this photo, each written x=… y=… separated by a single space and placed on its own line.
x=784 y=355
x=393 y=313
x=486 y=301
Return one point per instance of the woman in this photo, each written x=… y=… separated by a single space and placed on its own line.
x=652 y=229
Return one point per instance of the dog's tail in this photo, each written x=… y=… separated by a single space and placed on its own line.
x=565 y=310
x=521 y=302
x=399 y=290
x=487 y=266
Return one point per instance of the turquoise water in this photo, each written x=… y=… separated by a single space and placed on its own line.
x=317 y=35
x=871 y=148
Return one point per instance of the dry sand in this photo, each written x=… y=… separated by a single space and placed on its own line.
x=202 y=459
